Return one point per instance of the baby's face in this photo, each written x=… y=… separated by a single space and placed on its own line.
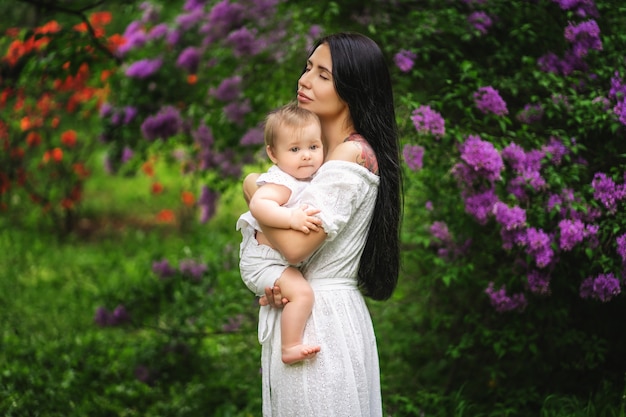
x=298 y=150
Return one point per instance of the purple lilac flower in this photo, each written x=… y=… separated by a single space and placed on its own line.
x=445 y=244
x=440 y=231
x=582 y=8
x=572 y=62
x=554 y=200
x=482 y=157
x=603 y=287
x=189 y=59
x=166 y=123
x=203 y=136
x=561 y=100
x=584 y=37
x=515 y=155
x=193 y=4
x=534 y=180
x=105 y=110
x=207 y=202
x=129 y=114
x=253 y=136
x=428 y=121
x=119 y=316
x=413 y=156
x=225 y=162
x=404 y=60
x=556 y=149
x=127 y=154
x=538 y=246
x=429 y=206
x=228 y=90
x=150 y=12
x=480 y=21
x=116 y=118
x=621 y=247
x=102 y=317
x=607 y=192
x=186 y=21
x=243 y=42
x=163 y=269
x=158 y=31
x=531 y=113
x=549 y=62
x=509 y=217
x=465 y=175
x=618 y=88
x=572 y=232
x=144 y=68
x=539 y=282
x=192 y=268
x=488 y=100
x=134 y=36
x=173 y=37
x=591 y=234
x=513 y=237
x=223 y=17
x=502 y=302
x=603 y=102
x=620 y=111
x=480 y=205
x=260 y=10
x=517 y=188
x=235 y=112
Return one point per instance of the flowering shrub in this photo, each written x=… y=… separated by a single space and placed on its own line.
x=190 y=82
x=525 y=188
x=49 y=87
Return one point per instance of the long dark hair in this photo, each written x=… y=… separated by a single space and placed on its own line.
x=362 y=80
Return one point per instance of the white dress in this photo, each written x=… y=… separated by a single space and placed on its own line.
x=343 y=380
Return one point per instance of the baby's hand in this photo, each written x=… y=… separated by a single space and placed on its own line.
x=303 y=219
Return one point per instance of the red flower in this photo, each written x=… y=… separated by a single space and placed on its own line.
x=68 y=138
x=33 y=139
x=188 y=198
x=156 y=188
x=166 y=216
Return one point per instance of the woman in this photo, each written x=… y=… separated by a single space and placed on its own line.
x=346 y=83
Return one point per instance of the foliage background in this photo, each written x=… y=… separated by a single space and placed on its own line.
x=123 y=303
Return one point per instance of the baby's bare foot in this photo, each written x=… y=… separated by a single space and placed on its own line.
x=297 y=353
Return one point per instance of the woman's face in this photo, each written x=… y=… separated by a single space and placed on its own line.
x=316 y=87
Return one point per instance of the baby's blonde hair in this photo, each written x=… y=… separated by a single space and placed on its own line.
x=289 y=115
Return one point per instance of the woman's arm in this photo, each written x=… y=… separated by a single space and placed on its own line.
x=293 y=245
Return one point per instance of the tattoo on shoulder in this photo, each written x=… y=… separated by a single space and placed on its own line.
x=366 y=157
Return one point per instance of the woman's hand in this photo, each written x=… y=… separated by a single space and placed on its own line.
x=273 y=298
x=249 y=186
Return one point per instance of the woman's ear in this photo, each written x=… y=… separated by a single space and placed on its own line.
x=270 y=153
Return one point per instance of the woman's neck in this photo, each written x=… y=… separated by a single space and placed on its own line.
x=334 y=133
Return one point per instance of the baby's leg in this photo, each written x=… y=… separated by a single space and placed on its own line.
x=295 y=314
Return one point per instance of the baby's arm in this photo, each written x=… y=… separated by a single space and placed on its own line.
x=266 y=206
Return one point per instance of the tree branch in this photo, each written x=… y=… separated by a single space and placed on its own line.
x=81 y=13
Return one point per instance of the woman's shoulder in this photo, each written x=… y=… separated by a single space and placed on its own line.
x=355 y=148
